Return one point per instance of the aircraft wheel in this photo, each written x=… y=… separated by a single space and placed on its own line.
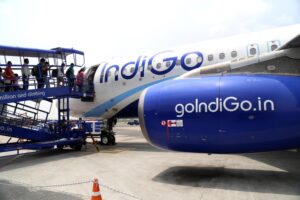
x=104 y=139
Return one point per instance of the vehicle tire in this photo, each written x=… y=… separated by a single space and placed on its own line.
x=105 y=139
x=60 y=147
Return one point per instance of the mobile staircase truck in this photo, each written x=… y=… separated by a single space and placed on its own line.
x=24 y=112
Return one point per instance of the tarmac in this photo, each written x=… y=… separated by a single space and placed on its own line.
x=133 y=169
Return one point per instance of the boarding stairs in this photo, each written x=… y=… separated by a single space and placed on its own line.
x=20 y=117
x=24 y=113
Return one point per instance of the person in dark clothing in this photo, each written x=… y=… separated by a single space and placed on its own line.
x=39 y=73
x=70 y=76
x=45 y=74
x=63 y=125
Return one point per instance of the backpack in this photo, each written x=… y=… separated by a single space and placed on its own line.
x=68 y=73
x=54 y=72
x=34 y=71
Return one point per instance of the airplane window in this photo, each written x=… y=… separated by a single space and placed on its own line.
x=252 y=51
x=222 y=55
x=131 y=69
x=109 y=73
x=116 y=73
x=178 y=62
x=168 y=64
x=149 y=67
x=233 y=54
x=188 y=61
x=199 y=59
x=141 y=68
x=273 y=47
x=158 y=65
x=210 y=57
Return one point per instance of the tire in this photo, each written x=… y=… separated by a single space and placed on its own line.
x=105 y=140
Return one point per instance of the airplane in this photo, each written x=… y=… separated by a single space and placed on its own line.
x=113 y=87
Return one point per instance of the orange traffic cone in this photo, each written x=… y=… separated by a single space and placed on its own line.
x=96 y=191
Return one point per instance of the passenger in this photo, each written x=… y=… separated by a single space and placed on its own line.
x=25 y=74
x=91 y=88
x=39 y=73
x=63 y=125
x=80 y=124
x=45 y=74
x=79 y=80
x=70 y=76
x=60 y=75
x=9 y=77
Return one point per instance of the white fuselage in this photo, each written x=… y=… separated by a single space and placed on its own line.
x=119 y=82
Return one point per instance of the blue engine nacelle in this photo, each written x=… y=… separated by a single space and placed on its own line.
x=223 y=114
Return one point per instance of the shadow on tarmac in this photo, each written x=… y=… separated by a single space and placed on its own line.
x=249 y=180
x=25 y=160
x=30 y=159
x=9 y=191
x=131 y=146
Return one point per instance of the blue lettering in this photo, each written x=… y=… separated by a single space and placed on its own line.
x=188 y=68
x=143 y=67
x=154 y=71
x=102 y=73
x=136 y=67
x=189 y=61
x=116 y=74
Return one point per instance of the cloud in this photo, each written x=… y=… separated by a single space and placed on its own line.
x=116 y=27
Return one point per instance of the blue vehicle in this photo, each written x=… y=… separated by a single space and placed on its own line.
x=134 y=122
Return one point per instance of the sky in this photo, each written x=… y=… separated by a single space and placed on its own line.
x=113 y=28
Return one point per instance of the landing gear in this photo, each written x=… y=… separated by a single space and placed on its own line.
x=107 y=135
x=108 y=138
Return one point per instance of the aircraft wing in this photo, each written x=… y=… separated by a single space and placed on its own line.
x=293 y=43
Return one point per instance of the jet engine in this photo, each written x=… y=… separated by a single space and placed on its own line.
x=223 y=113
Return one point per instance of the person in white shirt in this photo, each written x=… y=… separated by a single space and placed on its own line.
x=25 y=74
x=60 y=75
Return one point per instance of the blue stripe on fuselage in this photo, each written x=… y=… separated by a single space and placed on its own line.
x=101 y=109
